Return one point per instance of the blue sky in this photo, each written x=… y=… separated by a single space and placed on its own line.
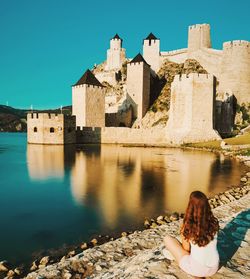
x=46 y=45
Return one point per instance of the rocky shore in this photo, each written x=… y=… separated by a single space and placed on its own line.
x=138 y=255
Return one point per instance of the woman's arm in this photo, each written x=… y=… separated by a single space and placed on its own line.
x=185 y=243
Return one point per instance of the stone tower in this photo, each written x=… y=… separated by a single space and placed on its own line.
x=192 y=109
x=116 y=54
x=138 y=85
x=235 y=70
x=151 y=51
x=199 y=37
x=51 y=128
x=88 y=101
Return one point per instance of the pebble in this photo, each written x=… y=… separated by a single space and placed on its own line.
x=4 y=266
x=243 y=179
x=44 y=261
x=94 y=241
x=84 y=246
x=174 y=216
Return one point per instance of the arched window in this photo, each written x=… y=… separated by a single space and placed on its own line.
x=52 y=130
x=35 y=129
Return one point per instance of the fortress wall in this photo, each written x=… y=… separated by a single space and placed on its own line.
x=177 y=56
x=209 y=59
x=235 y=70
x=191 y=117
x=88 y=105
x=138 y=88
x=121 y=135
x=46 y=128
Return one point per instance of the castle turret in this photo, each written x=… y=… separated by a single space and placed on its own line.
x=199 y=37
x=116 y=54
x=235 y=70
x=138 y=85
x=51 y=128
x=192 y=109
x=151 y=51
x=88 y=101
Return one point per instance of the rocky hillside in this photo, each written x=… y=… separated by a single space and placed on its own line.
x=158 y=112
x=14 y=120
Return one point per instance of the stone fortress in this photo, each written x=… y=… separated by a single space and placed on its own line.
x=202 y=106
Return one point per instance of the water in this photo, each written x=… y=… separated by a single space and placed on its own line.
x=55 y=195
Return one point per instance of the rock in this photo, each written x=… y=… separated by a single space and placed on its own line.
x=248 y=174
x=72 y=253
x=123 y=234
x=44 y=261
x=34 y=265
x=84 y=246
x=98 y=268
x=10 y=273
x=94 y=241
x=161 y=222
x=153 y=225
x=18 y=270
x=159 y=218
x=146 y=224
x=63 y=259
x=243 y=179
x=224 y=199
x=223 y=144
x=174 y=216
x=4 y=266
x=128 y=252
x=167 y=219
x=67 y=275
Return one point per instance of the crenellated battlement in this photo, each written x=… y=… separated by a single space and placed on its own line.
x=235 y=44
x=43 y=116
x=87 y=85
x=193 y=76
x=199 y=26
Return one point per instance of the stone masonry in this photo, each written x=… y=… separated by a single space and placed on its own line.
x=88 y=101
x=138 y=86
x=191 y=116
x=46 y=128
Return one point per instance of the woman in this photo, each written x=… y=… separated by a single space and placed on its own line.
x=197 y=255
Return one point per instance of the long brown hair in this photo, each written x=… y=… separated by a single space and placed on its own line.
x=199 y=224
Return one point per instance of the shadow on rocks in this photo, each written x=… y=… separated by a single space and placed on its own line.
x=232 y=236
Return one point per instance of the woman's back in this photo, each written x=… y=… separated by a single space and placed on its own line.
x=207 y=255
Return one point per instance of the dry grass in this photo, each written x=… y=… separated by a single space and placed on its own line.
x=239 y=140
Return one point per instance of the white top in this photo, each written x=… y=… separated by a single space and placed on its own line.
x=207 y=255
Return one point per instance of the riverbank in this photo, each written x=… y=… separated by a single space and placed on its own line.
x=139 y=255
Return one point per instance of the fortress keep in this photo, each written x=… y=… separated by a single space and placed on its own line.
x=192 y=109
x=201 y=105
x=138 y=86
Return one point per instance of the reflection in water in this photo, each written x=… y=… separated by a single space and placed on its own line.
x=47 y=161
x=132 y=183
x=187 y=171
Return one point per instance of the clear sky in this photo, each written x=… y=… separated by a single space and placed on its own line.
x=46 y=45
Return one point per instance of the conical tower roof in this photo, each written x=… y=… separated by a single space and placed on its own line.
x=138 y=58
x=151 y=36
x=117 y=37
x=88 y=78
